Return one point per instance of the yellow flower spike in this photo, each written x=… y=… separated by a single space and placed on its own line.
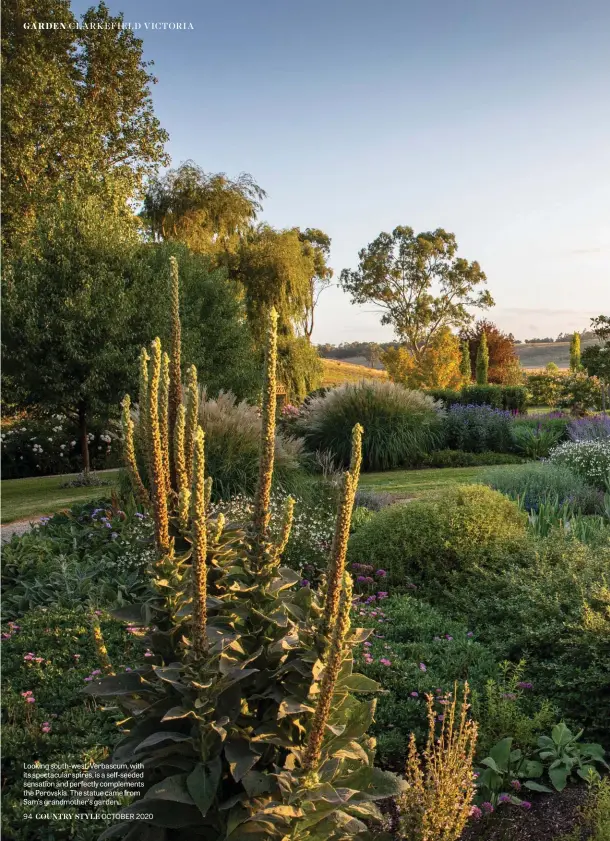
x=100 y=646
x=200 y=549
x=184 y=503
x=208 y=491
x=336 y=651
x=129 y=452
x=180 y=470
x=336 y=566
x=143 y=427
x=175 y=388
x=156 y=455
x=219 y=526
x=286 y=527
x=192 y=420
x=261 y=515
x=164 y=420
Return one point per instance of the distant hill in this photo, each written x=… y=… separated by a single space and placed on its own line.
x=337 y=372
x=539 y=355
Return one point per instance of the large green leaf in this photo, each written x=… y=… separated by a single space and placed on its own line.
x=171 y=788
x=128 y=683
x=240 y=756
x=372 y=783
x=559 y=777
x=358 y=683
x=159 y=738
x=500 y=753
x=533 y=786
x=202 y=783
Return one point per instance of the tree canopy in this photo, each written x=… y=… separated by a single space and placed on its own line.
x=319 y=244
x=500 y=348
x=419 y=284
x=76 y=104
x=209 y=212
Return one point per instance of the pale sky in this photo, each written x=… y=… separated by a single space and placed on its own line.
x=486 y=117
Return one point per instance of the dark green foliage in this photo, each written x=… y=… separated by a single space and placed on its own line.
x=95 y=555
x=482 y=395
x=478 y=429
x=215 y=335
x=461 y=458
x=549 y=421
x=462 y=528
x=399 y=425
x=299 y=368
x=550 y=606
x=80 y=729
x=482 y=361
x=544 y=389
x=536 y=484
x=535 y=441
x=447 y=396
x=409 y=633
x=514 y=398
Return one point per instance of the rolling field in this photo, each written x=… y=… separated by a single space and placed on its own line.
x=337 y=372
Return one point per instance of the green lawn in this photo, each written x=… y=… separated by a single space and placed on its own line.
x=411 y=483
x=23 y=498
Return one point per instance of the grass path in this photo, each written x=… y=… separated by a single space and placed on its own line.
x=412 y=483
x=32 y=498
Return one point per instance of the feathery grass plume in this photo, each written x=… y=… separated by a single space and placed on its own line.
x=180 y=471
x=143 y=425
x=313 y=749
x=192 y=422
x=164 y=420
x=440 y=785
x=261 y=515
x=338 y=551
x=200 y=548
x=286 y=528
x=175 y=388
x=100 y=646
x=129 y=453
x=156 y=455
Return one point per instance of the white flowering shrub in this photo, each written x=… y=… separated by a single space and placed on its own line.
x=589 y=459
x=50 y=445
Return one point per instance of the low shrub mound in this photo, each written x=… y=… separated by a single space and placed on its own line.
x=589 y=459
x=461 y=528
x=233 y=430
x=400 y=425
x=541 y=483
x=477 y=429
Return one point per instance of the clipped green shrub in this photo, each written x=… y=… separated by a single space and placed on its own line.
x=462 y=528
x=514 y=398
x=461 y=458
x=399 y=425
x=542 y=482
x=446 y=396
x=233 y=431
x=482 y=395
x=544 y=389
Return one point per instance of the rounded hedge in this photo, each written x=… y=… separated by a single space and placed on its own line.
x=459 y=529
x=400 y=425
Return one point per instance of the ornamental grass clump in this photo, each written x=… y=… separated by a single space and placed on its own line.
x=243 y=716
x=400 y=425
x=440 y=783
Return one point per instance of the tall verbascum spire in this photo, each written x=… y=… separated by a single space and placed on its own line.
x=175 y=388
x=156 y=456
x=180 y=472
x=192 y=421
x=334 y=660
x=129 y=452
x=100 y=646
x=338 y=552
x=200 y=548
x=164 y=419
x=143 y=424
x=286 y=528
x=262 y=500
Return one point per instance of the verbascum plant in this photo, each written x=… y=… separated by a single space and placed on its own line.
x=175 y=388
x=191 y=420
x=157 y=461
x=100 y=646
x=262 y=500
x=200 y=549
x=342 y=530
x=243 y=717
x=440 y=784
x=334 y=661
x=143 y=427
x=129 y=453
x=164 y=420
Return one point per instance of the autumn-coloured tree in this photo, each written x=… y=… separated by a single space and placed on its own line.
x=503 y=359
x=439 y=367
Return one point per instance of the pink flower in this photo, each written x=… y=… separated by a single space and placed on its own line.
x=367 y=644
x=423 y=667
x=96 y=672
x=414 y=694
x=148 y=653
x=525 y=804
x=30 y=700
x=76 y=656
x=516 y=785
x=385 y=662
x=475 y=812
x=46 y=727
x=487 y=807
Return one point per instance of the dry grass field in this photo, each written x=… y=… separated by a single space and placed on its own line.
x=337 y=372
